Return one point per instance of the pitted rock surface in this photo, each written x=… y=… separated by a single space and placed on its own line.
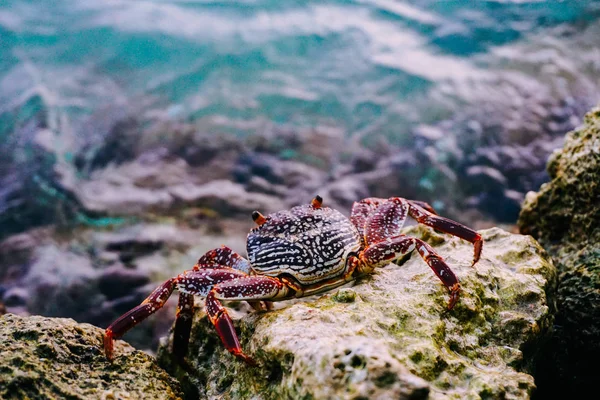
x=390 y=335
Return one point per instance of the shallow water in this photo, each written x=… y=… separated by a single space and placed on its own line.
x=491 y=73
x=355 y=64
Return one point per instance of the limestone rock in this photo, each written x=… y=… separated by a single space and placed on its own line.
x=389 y=335
x=54 y=358
x=565 y=216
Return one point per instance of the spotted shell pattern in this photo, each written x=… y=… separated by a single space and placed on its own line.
x=307 y=243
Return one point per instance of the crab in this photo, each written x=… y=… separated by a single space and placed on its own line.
x=306 y=250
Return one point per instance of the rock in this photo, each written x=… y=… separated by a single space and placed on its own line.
x=117 y=281
x=276 y=170
x=389 y=336
x=61 y=282
x=319 y=147
x=226 y=197
x=130 y=242
x=93 y=275
x=14 y=254
x=58 y=358
x=342 y=193
x=565 y=216
x=114 y=191
x=15 y=297
x=488 y=177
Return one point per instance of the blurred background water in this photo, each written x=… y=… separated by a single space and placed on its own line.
x=130 y=131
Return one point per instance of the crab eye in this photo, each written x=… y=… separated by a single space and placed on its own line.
x=317 y=202
x=258 y=218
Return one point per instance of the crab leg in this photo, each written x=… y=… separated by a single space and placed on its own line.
x=183 y=324
x=192 y=282
x=250 y=288
x=381 y=253
x=224 y=257
x=379 y=218
x=447 y=225
x=423 y=205
x=366 y=209
x=386 y=221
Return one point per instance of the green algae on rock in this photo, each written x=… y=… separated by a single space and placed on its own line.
x=565 y=216
x=390 y=334
x=56 y=358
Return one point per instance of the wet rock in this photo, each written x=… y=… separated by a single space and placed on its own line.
x=15 y=297
x=31 y=191
x=317 y=147
x=115 y=190
x=140 y=184
x=342 y=193
x=226 y=197
x=390 y=335
x=115 y=139
x=63 y=283
x=15 y=251
x=117 y=281
x=58 y=358
x=139 y=240
x=486 y=176
x=276 y=170
x=259 y=184
x=565 y=216
x=93 y=275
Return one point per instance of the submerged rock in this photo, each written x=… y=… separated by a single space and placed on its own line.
x=57 y=358
x=389 y=335
x=565 y=216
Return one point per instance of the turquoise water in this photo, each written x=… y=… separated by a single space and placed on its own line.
x=485 y=73
x=238 y=66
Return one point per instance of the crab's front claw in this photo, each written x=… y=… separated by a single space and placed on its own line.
x=454 y=295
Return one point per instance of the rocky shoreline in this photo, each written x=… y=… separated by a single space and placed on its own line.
x=565 y=217
x=152 y=211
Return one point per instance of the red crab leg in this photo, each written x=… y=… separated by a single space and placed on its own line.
x=365 y=209
x=183 y=325
x=193 y=282
x=380 y=254
x=151 y=304
x=447 y=225
x=361 y=210
x=386 y=220
x=423 y=205
x=249 y=289
x=225 y=257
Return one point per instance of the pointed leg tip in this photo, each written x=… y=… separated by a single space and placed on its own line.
x=108 y=345
x=477 y=251
x=454 y=296
x=247 y=359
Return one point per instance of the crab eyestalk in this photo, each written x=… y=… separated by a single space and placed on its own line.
x=258 y=218
x=317 y=202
